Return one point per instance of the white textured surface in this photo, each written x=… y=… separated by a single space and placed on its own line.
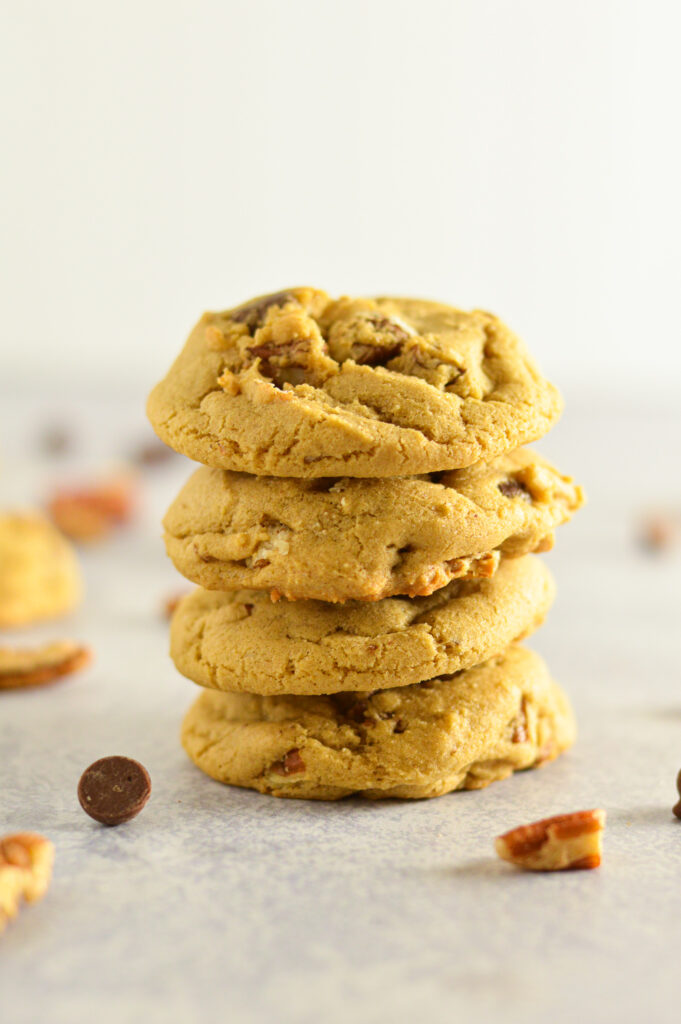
x=221 y=904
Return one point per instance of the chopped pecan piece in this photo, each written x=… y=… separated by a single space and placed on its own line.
x=25 y=870
x=253 y=313
x=374 y=355
x=37 y=666
x=291 y=764
x=520 y=733
x=564 y=842
x=513 y=488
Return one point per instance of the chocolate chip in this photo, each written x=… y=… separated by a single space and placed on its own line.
x=677 y=807
x=253 y=313
x=512 y=488
x=152 y=453
x=56 y=440
x=114 y=789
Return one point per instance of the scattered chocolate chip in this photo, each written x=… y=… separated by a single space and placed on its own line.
x=513 y=488
x=291 y=764
x=114 y=789
x=253 y=313
x=154 y=453
x=55 y=440
x=677 y=807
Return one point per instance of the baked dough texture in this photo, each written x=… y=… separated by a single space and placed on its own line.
x=354 y=539
x=39 y=572
x=455 y=732
x=296 y=384
x=241 y=641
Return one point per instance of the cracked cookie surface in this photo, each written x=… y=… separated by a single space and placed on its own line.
x=297 y=384
x=39 y=572
x=457 y=732
x=353 y=539
x=241 y=641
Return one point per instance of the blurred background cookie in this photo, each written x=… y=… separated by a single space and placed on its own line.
x=39 y=573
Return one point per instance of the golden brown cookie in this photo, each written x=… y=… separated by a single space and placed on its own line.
x=336 y=540
x=39 y=573
x=296 y=384
x=242 y=641
x=456 y=732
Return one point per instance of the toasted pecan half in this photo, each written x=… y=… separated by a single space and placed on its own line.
x=564 y=842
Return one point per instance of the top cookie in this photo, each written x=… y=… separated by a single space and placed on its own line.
x=297 y=384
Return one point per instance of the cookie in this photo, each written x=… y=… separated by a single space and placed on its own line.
x=39 y=573
x=455 y=732
x=242 y=641
x=298 y=385
x=349 y=539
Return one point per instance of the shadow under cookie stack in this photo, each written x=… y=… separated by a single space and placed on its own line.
x=361 y=531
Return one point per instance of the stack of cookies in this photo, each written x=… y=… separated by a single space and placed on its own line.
x=361 y=533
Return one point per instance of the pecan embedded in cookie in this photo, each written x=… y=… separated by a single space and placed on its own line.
x=513 y=488
x=252 y=314
x=374 y=388
x=408 y=741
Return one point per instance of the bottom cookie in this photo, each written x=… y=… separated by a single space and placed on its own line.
x=455 y=732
